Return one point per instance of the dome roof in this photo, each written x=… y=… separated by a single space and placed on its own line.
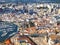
x=7 y=30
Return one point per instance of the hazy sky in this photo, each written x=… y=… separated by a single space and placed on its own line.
x=30 y=0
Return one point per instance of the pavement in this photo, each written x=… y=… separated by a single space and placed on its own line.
x=39 y=40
